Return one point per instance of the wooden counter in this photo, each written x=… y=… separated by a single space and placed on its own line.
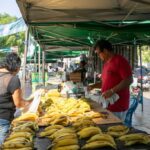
x=109 y=120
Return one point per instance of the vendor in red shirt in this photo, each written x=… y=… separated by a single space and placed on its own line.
x=116 y=78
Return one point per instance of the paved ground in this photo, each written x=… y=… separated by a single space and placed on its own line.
x=141 y=120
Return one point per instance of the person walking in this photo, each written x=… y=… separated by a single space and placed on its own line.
x=10 y=93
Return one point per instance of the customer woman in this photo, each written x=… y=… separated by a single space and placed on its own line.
x=10 y=92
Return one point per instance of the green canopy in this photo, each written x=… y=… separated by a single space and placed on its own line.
x=77 y=24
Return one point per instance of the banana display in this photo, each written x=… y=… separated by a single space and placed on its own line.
x=118 y=130
x=134 y=138
x=62 y=139
x=88 y=132
x=82 y=122
x=67 y=122
x=21 y=137
x=63 y=111
x=26 y=117
x=97 y=144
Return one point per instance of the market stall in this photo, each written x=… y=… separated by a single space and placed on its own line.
x=77 y=26
x=69 y=123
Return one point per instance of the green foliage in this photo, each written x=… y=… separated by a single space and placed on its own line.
x=12 y=40
x=5 y=18
x=146 y=54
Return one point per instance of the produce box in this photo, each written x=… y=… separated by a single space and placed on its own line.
x=75 y=76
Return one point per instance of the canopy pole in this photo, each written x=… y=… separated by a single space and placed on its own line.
x=141 y=100
x=39 y=63
x=25 y=58
x=43 y=66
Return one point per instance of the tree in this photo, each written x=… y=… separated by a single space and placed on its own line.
x=146 y=54
x=12 y=40
x=5 y=18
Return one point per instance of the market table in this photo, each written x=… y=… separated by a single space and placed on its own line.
x=43 y=143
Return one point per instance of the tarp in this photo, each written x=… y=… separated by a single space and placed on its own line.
x=83 y=10
x=5 y=50
x=12 y=28
x=78 y=24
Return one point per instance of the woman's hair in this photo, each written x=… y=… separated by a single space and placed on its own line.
x=103 y=44
x=11 y=62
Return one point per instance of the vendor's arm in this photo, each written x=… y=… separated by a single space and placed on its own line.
x=96 y=85
x=122 y=85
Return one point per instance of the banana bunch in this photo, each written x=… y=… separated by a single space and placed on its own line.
x=64 y=139
x=88 y=132
x=19 y=139
x=48 y=131
x=92 y=114
x=66 y=110
x=131 y=139
x=61 y=120
x=55 y=119
x=97 y=144
x=100 y=140
x=53 y=92
x=82 y=122
x=24 y=148
x=26 y=117
x=21 y=136
x=23 y=125
x=69 y=147
x=118 y=130
x=62 y=132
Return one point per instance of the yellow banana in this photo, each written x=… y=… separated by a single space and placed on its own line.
x=29 y=124
x=19 y=144
x=27 y=117
x=129 y=143
x=20 y=134
x=27 y=129
x=102 y=137
x=65 y=142
x=61 y=131
x=117 y=128
x=48 y=133
x=133 y=136
x=69 y=136
x=24 y=148
x=53 y=127
x=88 y=132
x=97 y=144
x=21 y=139
x=59 y=120
x=118 y=133
x=70 y=147
x=62 y=135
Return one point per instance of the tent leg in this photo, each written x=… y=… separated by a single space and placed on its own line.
x=141 y=77
x=25 y=58
x=43 y=67
x=39 y=63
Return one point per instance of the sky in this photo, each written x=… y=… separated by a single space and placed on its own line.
x=10 y=7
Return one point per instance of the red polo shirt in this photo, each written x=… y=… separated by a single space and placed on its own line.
x=114 y=71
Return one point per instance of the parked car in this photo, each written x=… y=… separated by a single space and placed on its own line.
x=142 y=75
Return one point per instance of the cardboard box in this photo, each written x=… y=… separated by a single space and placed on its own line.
x=75 y=76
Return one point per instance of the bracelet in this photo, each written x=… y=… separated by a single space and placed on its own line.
x=112 y=91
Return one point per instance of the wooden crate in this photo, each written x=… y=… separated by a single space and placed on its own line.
x=75 y=76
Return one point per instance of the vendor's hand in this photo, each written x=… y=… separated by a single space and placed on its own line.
x=89 y=88
x=107 y=94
